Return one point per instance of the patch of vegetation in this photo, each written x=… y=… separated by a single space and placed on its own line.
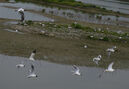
x=29 y=22
x=99 y=17
x=77 y=26
x=105 y=38
x=43 y=10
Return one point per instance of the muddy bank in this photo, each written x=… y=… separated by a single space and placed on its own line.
x=74 y=30
x=58 y=49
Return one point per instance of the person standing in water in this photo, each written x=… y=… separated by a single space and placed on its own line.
x=21 y=12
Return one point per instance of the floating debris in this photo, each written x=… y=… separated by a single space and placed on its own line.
x=75 y=22
x=69 y=27
x=52 y=20
x=43 y=32
x=99 y=29
x=120 y=37
x=91 y=36
x=119 y=32
x=85 y=46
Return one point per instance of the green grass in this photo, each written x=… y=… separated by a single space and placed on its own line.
x=77 y=26
x=29 y=22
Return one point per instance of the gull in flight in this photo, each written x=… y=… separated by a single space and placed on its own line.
x=21 y=65
x=32 y=73
x=109 y=69
x=32 y=55
x=97 y=59
x=76 y=70
x=111 y=50
x=21 y=12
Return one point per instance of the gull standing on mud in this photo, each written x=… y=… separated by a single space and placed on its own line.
x=97 y=59
x=76 y=70
x=111 y=50
x=32 y=73
x=32 y=55
x=21 y=12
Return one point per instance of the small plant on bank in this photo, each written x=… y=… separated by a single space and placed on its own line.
x=125 y=35
x=77 y=26
x=105 y=38
x=43 y=10
x=29 y=22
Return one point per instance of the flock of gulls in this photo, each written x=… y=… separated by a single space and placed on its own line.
x=31 y=71
x=76 y=70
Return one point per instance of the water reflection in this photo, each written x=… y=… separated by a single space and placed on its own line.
x=56 y=76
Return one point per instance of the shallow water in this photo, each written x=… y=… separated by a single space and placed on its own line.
x=12 y=14
x=115 y=5
x=57 y=76
x=65 y=13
